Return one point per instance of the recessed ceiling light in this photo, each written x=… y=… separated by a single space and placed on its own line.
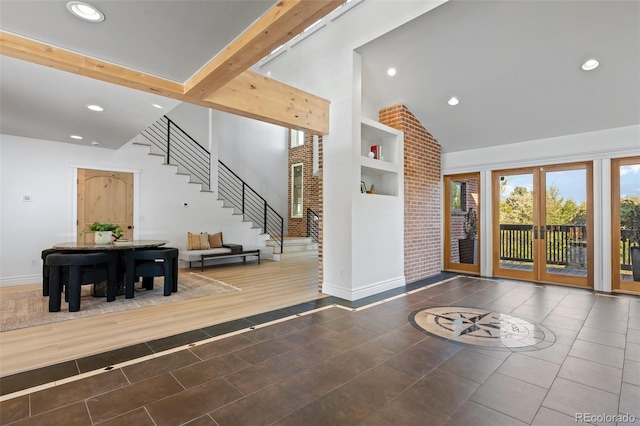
x=94 y=143
x=85 y=11
x=391 y=72
x=156 y=106
x=590 y=64
x=95 y=108
x=76 y=137
x=453 y=101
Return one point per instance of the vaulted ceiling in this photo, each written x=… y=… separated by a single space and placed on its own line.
x=514 y=65
x=191 y=51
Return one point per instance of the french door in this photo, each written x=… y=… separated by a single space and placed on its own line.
x=543 y=224
x=625 y=200
x=461 y=223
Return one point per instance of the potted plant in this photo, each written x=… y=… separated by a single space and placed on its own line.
x=104 y=232
x=632 y=222
x=467 y=246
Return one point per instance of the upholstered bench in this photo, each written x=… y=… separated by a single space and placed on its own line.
x=225 y=252
x=204 y=246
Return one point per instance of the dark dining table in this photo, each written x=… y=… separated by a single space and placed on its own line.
x=123 y=247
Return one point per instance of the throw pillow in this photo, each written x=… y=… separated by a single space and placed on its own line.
x=198 y=241
x=193 y=241
x=215 y=240
x=204 y=241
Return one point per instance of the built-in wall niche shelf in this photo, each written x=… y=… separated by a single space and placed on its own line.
x=374 y=134
x=379 y=181
x=382 y=173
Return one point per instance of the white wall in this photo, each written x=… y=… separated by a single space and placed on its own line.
x=331 y=75
x=372 y=259
x=337 y=203
x=194 y=120
x=45 y=171
x=258 y=153
x=608 y=143
x=321 y=64
x=599 y=147
x=254 y=150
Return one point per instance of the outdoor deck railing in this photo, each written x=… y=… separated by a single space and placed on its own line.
x=565 y=245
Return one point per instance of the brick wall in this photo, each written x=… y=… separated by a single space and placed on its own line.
x=310 y=196
x=422 y=193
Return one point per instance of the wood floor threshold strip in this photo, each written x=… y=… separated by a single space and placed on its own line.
x=123 y=364
x=164 y=353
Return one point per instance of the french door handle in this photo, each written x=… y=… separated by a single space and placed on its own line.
x=542 y=228
x=535 y=232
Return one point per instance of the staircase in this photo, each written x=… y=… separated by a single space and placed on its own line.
x=167 y=139
x=294 y=247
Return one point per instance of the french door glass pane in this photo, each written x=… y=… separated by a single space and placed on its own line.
x=516 y=221
x=565 y=229
x=629 y=200
x=464 y=221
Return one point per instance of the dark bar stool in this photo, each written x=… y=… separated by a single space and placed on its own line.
x=46 y=270
x=83 y=268
x=150 y=263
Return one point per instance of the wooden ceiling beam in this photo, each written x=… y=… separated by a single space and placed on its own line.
x=249 y=94
x=281 y=23
x=262 y=98
x=29 y=50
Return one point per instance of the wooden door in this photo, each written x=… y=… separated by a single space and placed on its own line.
x=104 y=196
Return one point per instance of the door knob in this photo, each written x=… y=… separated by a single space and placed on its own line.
x=129 y=227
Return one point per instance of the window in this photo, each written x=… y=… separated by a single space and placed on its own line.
x=296 y=189
x=297 y=138
x=458 y=196
x=316 y=151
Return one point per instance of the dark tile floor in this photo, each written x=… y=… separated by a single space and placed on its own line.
x=364 y=366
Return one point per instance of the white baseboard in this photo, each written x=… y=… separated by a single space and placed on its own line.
x=363 y=291
x=20 y=280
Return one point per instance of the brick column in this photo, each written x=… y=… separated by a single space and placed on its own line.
x=422 y=194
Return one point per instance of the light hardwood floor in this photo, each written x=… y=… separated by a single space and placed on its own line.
x=265 y=287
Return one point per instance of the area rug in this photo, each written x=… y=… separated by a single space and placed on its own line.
x=29 y=308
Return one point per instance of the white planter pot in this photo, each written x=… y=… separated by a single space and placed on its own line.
x=103 y=237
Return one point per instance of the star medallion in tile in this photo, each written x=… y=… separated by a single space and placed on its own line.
x=474 y=326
